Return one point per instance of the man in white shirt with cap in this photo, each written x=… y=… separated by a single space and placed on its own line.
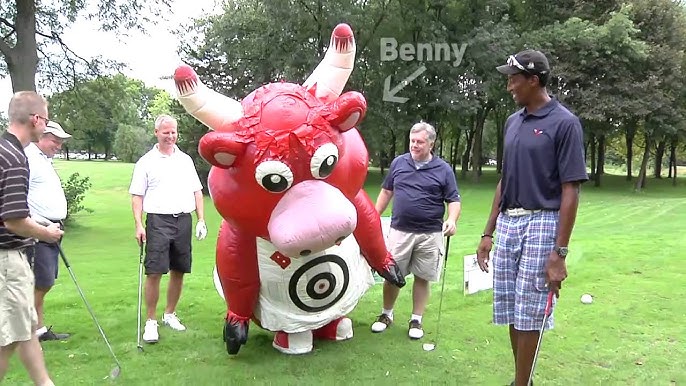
x=47 y=204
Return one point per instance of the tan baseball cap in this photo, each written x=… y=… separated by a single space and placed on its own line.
x=55 y=129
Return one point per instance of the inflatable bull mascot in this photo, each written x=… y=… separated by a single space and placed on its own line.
x=299 y=234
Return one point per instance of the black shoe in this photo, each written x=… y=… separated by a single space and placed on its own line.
x=50 y=335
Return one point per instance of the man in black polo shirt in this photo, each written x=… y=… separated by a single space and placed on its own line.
x=534 y=208
x=28 y=115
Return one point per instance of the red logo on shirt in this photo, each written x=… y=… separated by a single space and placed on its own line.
x=538 y=131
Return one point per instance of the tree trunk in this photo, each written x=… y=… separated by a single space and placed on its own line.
x=476 y=147
x=629 y=136
x=455 y=152
x=468 y=148
x=22 y=59
x=393 y=149
x=451 y=159
x=659 y=154
x=641 y=181
x=500 y=116
x=591 y=144
x=600 y=166
x=672 y=160
x=439 y=139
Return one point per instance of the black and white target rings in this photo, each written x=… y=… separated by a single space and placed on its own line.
x=319 y=284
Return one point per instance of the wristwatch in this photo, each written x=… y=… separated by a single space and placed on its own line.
x=562 y=251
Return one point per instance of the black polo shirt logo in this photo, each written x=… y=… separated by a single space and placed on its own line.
x=538 y=131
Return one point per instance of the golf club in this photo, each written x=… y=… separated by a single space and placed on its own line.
x=117 y=370
x=432 y=346
x=140 y=290
x=548 y=309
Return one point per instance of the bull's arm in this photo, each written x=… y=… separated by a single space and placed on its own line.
x=370 y=238
x=239 y=274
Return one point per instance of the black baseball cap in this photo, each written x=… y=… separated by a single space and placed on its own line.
x=528 y=61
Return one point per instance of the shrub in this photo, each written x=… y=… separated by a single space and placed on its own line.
x=75 y=189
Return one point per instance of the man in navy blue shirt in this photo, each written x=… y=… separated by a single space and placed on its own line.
x=420 y=184
x=534 y=208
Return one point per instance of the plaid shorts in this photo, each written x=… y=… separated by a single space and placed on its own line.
x=522 y=247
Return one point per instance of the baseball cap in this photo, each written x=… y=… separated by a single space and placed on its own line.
x=55 y=129
x=529 y=61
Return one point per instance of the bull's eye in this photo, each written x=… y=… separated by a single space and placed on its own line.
x=275 y=176
x=324 y=160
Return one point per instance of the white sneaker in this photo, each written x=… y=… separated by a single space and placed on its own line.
x=173 y=321
x=150 y=334
x=415 y=331
x=381 y=323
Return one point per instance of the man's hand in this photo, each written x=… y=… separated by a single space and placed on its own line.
x=200 y=230
x=449 y=228
x=140 y=234
x=54 y=233
x=483 y=252
x=555 y=272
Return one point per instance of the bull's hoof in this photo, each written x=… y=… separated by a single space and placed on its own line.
x=391 y=272
x=235 y=335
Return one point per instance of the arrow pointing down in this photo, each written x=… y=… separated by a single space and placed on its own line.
x=389 y=94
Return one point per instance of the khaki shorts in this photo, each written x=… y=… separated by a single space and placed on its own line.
x=418 y=253
x=18 y=316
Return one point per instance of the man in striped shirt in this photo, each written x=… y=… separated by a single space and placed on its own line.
x=28 y=116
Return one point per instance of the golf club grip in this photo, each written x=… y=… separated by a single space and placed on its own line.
x=549 y=303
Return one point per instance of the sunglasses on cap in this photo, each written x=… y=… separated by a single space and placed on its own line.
x=513 y=62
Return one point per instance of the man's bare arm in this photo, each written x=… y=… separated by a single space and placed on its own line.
x=137 y=206
x=382 y=201
x=199 y=206
x=568 y=209
x=495 y=210
x=27 y=227
x=454 y=209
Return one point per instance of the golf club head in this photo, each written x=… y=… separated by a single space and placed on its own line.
x=140 y=348
x=429 y=346
x=115 y=372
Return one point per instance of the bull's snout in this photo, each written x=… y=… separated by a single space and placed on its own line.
x=311 y=217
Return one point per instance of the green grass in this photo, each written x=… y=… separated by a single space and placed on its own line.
x=626 y=251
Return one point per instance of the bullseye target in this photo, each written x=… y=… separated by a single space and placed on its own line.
x=319 y=283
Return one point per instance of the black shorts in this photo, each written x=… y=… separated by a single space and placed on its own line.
x=168 y=243
x=45 y=263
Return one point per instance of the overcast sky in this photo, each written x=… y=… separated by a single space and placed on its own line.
x=148 y=56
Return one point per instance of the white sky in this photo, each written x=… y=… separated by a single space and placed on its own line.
x=148 y=56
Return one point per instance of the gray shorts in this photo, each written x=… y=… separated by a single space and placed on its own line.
x=168 y=244
x=418 y=253
x=45 y=258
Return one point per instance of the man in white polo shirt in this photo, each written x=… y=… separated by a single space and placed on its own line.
x=47 y=204
x=165 y=185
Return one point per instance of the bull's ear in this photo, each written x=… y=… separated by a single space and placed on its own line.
x=220 y=149
x=347 y=111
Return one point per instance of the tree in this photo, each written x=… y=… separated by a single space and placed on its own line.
x=4 y=121
x=94 y=110
x=29 y=27
x=131 y=142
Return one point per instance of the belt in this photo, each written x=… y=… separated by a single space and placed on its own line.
x=516 y=212
x=170 y=214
